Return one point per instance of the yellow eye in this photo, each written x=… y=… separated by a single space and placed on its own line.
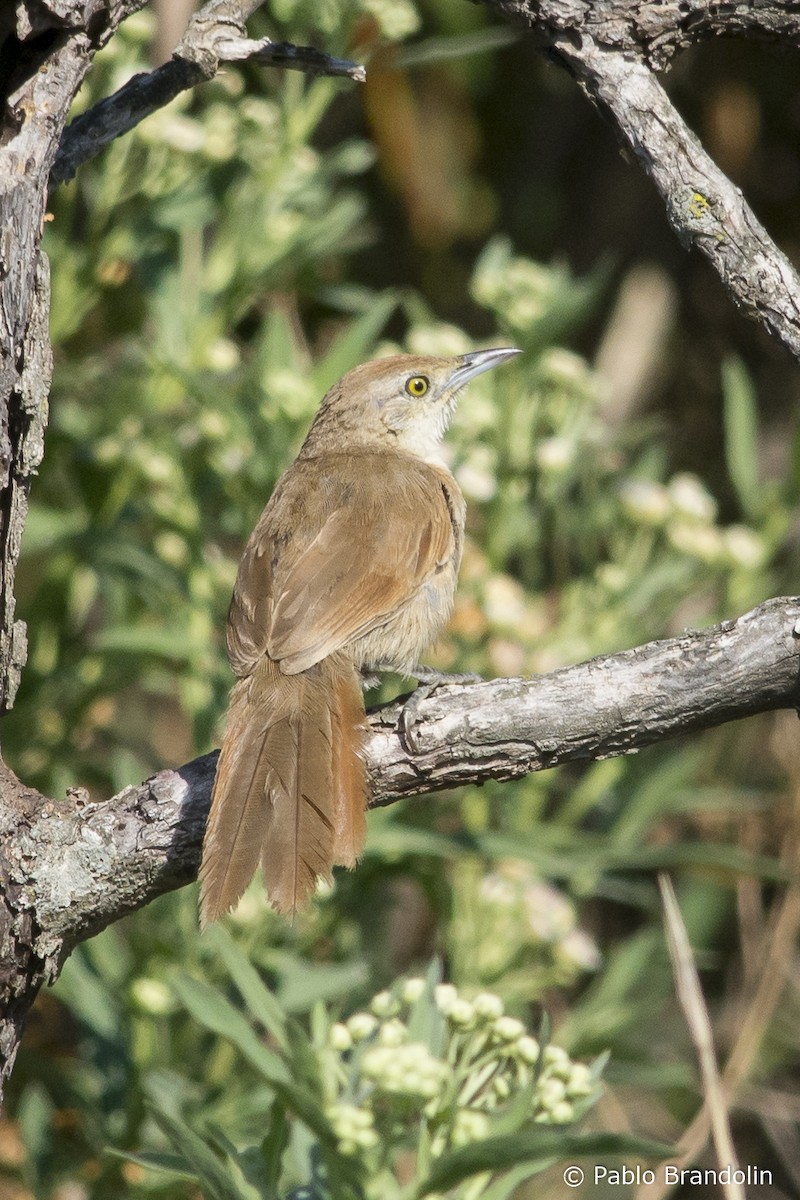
x=417 y=385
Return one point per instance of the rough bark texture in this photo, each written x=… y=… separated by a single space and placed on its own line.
x=45 y=50
x=652 y=31
x=72 y=867
x=215 y=35
x=69 y=868
x=611 y=49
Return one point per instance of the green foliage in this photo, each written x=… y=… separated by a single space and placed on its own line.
x=207 y=292
x=422 y=1075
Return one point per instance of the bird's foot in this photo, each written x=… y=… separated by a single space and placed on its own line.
x=429 y=679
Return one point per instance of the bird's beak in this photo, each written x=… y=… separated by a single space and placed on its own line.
x=477 y=362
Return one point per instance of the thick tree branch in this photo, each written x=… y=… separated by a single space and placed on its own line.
x=216 y=35
x=656 y=29
x=72 y=867
x=46 y=49
x=607 y=45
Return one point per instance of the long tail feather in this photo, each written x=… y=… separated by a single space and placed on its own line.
x=290 y=786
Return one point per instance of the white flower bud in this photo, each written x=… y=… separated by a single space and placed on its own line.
x=340 y=1037
x=554 y=454
x=562 y=1113
x=362 y=1025
x=469 y=1126
x=556 y=1057
x=579 y=1082
x=152 y=996
x=445 y=995
x=384 y=1004
x=461 y=1014
x=487 y=1004
x=690 y=498
x=393 y=1033
x=745 y=548
x=528 y=1049
x=550 y=1092
x=645 y=501
x=412 y=990
x=508 y=1029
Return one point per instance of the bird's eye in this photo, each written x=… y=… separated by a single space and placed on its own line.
x=417 y=385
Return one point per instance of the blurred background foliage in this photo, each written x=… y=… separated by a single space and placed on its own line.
x=634 y=472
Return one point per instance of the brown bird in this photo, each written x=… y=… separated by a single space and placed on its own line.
x=351 y=568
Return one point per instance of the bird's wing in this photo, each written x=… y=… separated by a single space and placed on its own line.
x=383 y=529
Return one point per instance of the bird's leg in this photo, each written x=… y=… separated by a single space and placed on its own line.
x=432 y=677
x=429 y=679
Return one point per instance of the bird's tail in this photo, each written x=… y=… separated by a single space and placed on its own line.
x=290 y=788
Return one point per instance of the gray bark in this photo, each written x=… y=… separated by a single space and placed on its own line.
x=35 y=97
x=72 y=866
x=215 y=35
x=612 y=47
x=655 y=30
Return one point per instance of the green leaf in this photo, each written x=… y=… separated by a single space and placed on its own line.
x=302 y=983
x=170 y=1164
x=260 y=1001
x=441 y=49
x=246 y=1166
x=274 y=1144
x=538 y=1146
x=89 y=1000
x=215 y=1012
x=210 y=1171
x=47 y=528
x=425 y=1022
x=741 y=434
x=175 y=644
x=356 y=343
x=507 y=1184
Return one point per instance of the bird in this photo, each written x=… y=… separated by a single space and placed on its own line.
x=351 y=569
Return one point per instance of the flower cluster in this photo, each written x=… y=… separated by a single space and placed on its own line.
x=426 y=1064
x=688 y=513
x=514 y=925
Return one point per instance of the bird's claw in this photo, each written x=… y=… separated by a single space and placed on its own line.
x=429 y=679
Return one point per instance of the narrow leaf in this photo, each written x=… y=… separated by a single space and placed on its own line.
x=260 y=1001
x=741 y=434
x=504 y=1153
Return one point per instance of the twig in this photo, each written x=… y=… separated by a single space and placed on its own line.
x=655 y=30
x=215 y=35
x=690 y=995
x=704 y=208
x=609 y=47
x=752 y=1028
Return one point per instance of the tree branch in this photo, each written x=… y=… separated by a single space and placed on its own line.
x=44 y=67
x=656 y=29
x=607 y=46
x=79 y=866
x=216 y=35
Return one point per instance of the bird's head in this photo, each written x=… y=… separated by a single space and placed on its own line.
x=404 y=402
